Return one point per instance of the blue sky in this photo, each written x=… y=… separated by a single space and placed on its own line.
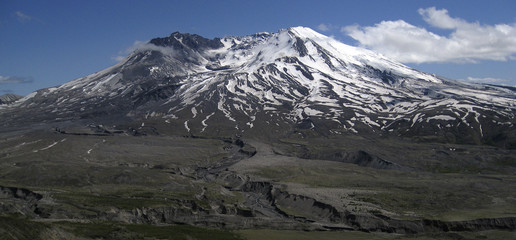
x=48 y=43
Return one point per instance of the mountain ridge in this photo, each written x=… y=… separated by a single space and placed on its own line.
x=290 y=80
x=9 y=98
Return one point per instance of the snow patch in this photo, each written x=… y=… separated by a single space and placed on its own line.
x=154 y=69
x=312 y=112
x=194 y=112
x=441 y=117
x=186 y=126
x=50 y=146
x=204 y=122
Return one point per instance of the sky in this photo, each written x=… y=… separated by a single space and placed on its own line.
x=47 y=43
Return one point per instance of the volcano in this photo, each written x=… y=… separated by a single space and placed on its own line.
x=288 y=130
x=275 y=84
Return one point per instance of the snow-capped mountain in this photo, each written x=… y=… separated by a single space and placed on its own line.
x=295 y=81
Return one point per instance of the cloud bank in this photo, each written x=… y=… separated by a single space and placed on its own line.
x=468 y=42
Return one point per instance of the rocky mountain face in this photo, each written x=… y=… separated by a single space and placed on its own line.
x=9 y=98
x=295 y=81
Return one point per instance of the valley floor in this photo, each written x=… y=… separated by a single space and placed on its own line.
x=82 y=186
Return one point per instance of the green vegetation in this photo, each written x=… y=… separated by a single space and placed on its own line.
x=181 y=232
x=112 y=230
x=19 y=228
x=329 y=235
x=301 y=235
x=15 y=227
x=106 y=202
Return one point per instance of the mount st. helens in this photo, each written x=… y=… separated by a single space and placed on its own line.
x=295 y=81
x=284 y=131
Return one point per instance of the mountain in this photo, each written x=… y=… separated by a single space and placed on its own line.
x=273 y=131
x=295 y=79
x=9 y=98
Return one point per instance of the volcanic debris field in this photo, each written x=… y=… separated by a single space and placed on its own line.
x=118 y=186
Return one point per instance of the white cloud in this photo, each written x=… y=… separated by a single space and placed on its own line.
x=14 y=79
x=22 y=17
x=468 y=42
x=118 y=58
x=323 y=27
x=440 y=18
x=486 y=80
x=139 y=46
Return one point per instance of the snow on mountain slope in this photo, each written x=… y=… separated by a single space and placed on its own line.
x=293 y=79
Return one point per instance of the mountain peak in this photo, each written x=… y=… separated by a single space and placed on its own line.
x=306 y=32
x=292 y=81
x=179 y=40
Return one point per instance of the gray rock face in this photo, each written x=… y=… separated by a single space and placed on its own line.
x=9 y=98
x=19 y=200
x=185 y=40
